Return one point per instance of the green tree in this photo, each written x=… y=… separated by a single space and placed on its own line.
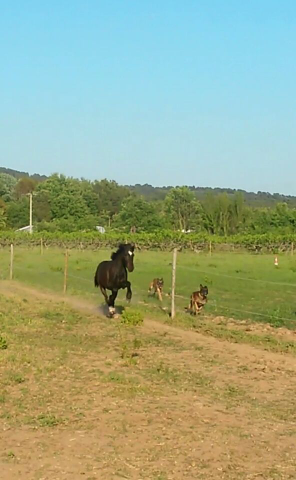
x=136 y=212
x=210 y=213
x=65 y=197
x=90 y=197
x=24 y=186
x=41 y=207
x=7 y=186
x=3 y=217
x=224 y=208
x=110 y=196
x=184 y=210
x=239 y=213
x=18 y=213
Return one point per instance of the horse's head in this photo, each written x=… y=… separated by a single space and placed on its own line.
x=129 y=256
x=126 y=253
x=204 y=291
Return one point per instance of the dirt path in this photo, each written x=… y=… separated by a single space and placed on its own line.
x=155 y=327
x=192 y=406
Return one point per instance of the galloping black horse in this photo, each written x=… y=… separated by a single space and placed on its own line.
x=112 y=274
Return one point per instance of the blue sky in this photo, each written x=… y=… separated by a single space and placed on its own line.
x=161 y=92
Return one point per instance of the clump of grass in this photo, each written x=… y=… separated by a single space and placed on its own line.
x=165 y=373
x=3 y=343
x=56 y=268
x=53 y=315
x=129 y=342
x=48 y=420
x=132 y=317
x=16 y=378
x=116 y=377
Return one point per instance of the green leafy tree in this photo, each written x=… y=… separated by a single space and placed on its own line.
x=41 y=207
x=24 y=186
x=184 y=210
x=18 y=213
x=224 y=209
x=65 y=197
x=110 y=196
x=3 y=217
x=90 y=197
x=7 y=186
x=138 y=213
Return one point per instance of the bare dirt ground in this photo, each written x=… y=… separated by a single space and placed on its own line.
x=76 y=403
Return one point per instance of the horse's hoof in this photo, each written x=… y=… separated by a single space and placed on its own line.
x=111 y=312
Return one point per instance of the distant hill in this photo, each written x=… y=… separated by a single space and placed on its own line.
x=17 y=174
x=259 y=199
x=150 y=193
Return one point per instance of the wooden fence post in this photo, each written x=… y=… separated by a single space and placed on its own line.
x=66 y=272
x=210 y=248
x=292 y=248
x=41 y=246
x=173 y=282
x=11 y=262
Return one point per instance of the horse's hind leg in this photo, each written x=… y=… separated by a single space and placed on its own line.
x=103 y=290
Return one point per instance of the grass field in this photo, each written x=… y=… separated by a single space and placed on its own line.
x=241 y=286
x=85 y=398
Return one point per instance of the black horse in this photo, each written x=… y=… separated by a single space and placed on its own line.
x=112 y=274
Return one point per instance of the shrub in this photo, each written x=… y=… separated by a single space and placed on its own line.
x=3 y=343
x=132 y=317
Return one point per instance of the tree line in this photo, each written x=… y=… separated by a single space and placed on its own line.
x=67 y=204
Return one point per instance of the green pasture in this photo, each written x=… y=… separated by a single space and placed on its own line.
x=241 y=285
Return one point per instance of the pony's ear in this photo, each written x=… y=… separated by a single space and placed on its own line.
x=201 y=286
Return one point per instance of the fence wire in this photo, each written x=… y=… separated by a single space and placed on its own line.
x=137 y=291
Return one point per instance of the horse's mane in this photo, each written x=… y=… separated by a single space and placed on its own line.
x=118 y=251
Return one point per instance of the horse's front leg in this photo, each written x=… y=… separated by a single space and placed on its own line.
x=111 y=302
x=129 y=291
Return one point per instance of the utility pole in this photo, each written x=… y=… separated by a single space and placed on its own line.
x=31 y=212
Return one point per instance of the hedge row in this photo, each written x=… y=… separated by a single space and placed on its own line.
x=163 y=240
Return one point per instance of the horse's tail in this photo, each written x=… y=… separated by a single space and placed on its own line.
x=96 y=278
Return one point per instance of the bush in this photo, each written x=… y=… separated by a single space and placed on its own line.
x=3 y=343
x=132 y=317
x=160 y=240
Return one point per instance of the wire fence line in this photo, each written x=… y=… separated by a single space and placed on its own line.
x=206 y=272
x=225 y=275
x=138 y=291
x=197 y=270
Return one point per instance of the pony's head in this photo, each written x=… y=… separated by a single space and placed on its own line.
x=126 y=252
x=204 y=290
